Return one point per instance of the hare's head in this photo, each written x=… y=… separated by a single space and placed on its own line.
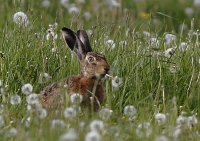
x=94 y=65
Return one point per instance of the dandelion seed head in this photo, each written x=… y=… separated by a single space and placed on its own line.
x=51 y=34
x=112 y=4
x=32 y=99
x=183 y=27
x=144 y=129
x=71 y=135
x=65 y=3
x=183 y=46
x=27 y=88
x=20 y=18
x=41 y=113
x=57 y=124
x=176 y=132
x=76 y=98
x=93 y=136
x=169 y=52
x=34 y=105
x=196 y=3
x=129 y=111
x=96 y=125
x=189 y=11
x=110 y=43
x=87 y=15
x=105 y=113
x=169 y=39
x=117 y=82
x=70 y=113
x=146 y=34
x=11 y=132
x=181 y=119
x=160 y=118
x=154 y=42
x=46 y=3
x=15 y=99
x=173 y=69
x=161 y=138
x=73 y=9
x=44 y=77
x=191 y=121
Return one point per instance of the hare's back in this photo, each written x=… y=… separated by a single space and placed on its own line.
x=53 y=95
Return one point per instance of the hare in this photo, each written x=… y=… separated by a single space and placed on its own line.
x=94 y=68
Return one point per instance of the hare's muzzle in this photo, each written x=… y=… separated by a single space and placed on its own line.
x=106 y=70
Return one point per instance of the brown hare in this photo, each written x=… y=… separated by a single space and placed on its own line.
x=94 y=68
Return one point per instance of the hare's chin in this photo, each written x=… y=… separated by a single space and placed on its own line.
x=100 y=75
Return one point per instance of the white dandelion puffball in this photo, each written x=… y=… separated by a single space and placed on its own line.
x=65 y=3
x=32 y=98
x=154 y=42
x=87 y=15
x=173 y=69
x=46 y=3
x=57 y=124
x=73 y=9
x=144 y=129
x=161 y=138
x=169 y=38
x=176 y=132
x=169 y=52
x=129 y=111
x=105 y=113
x=196 y=2
x=15 y=99
x=27 y=88
x=110 y=43
x=146 y=34
x=70 y=113
x=12 y=132
x=20 y=18
x=93 y=136
x=189 y=11
x=76 y=98
x=183 y=46
x=160 y=118
x=117 y=82
x=41 y=113
x=71 y=135
x=112 y=4
x=192 y=120
x=96 y=125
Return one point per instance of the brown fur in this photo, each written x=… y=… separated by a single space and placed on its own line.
x=94 y=68
x=53 y=96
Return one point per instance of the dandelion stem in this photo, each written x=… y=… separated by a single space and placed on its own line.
x=191 y=76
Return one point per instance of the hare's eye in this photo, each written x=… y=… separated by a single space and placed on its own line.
x=90 y=59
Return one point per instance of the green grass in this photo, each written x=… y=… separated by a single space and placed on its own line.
x=147 y=82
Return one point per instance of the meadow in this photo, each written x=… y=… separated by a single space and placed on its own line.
x=152 y=47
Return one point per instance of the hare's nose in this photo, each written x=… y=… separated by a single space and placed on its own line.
x=106 y=70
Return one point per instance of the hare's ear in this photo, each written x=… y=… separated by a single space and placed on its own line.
x=82 y=35
x=74 y=43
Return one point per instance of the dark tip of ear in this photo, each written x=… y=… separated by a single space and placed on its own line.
x=65 y=29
